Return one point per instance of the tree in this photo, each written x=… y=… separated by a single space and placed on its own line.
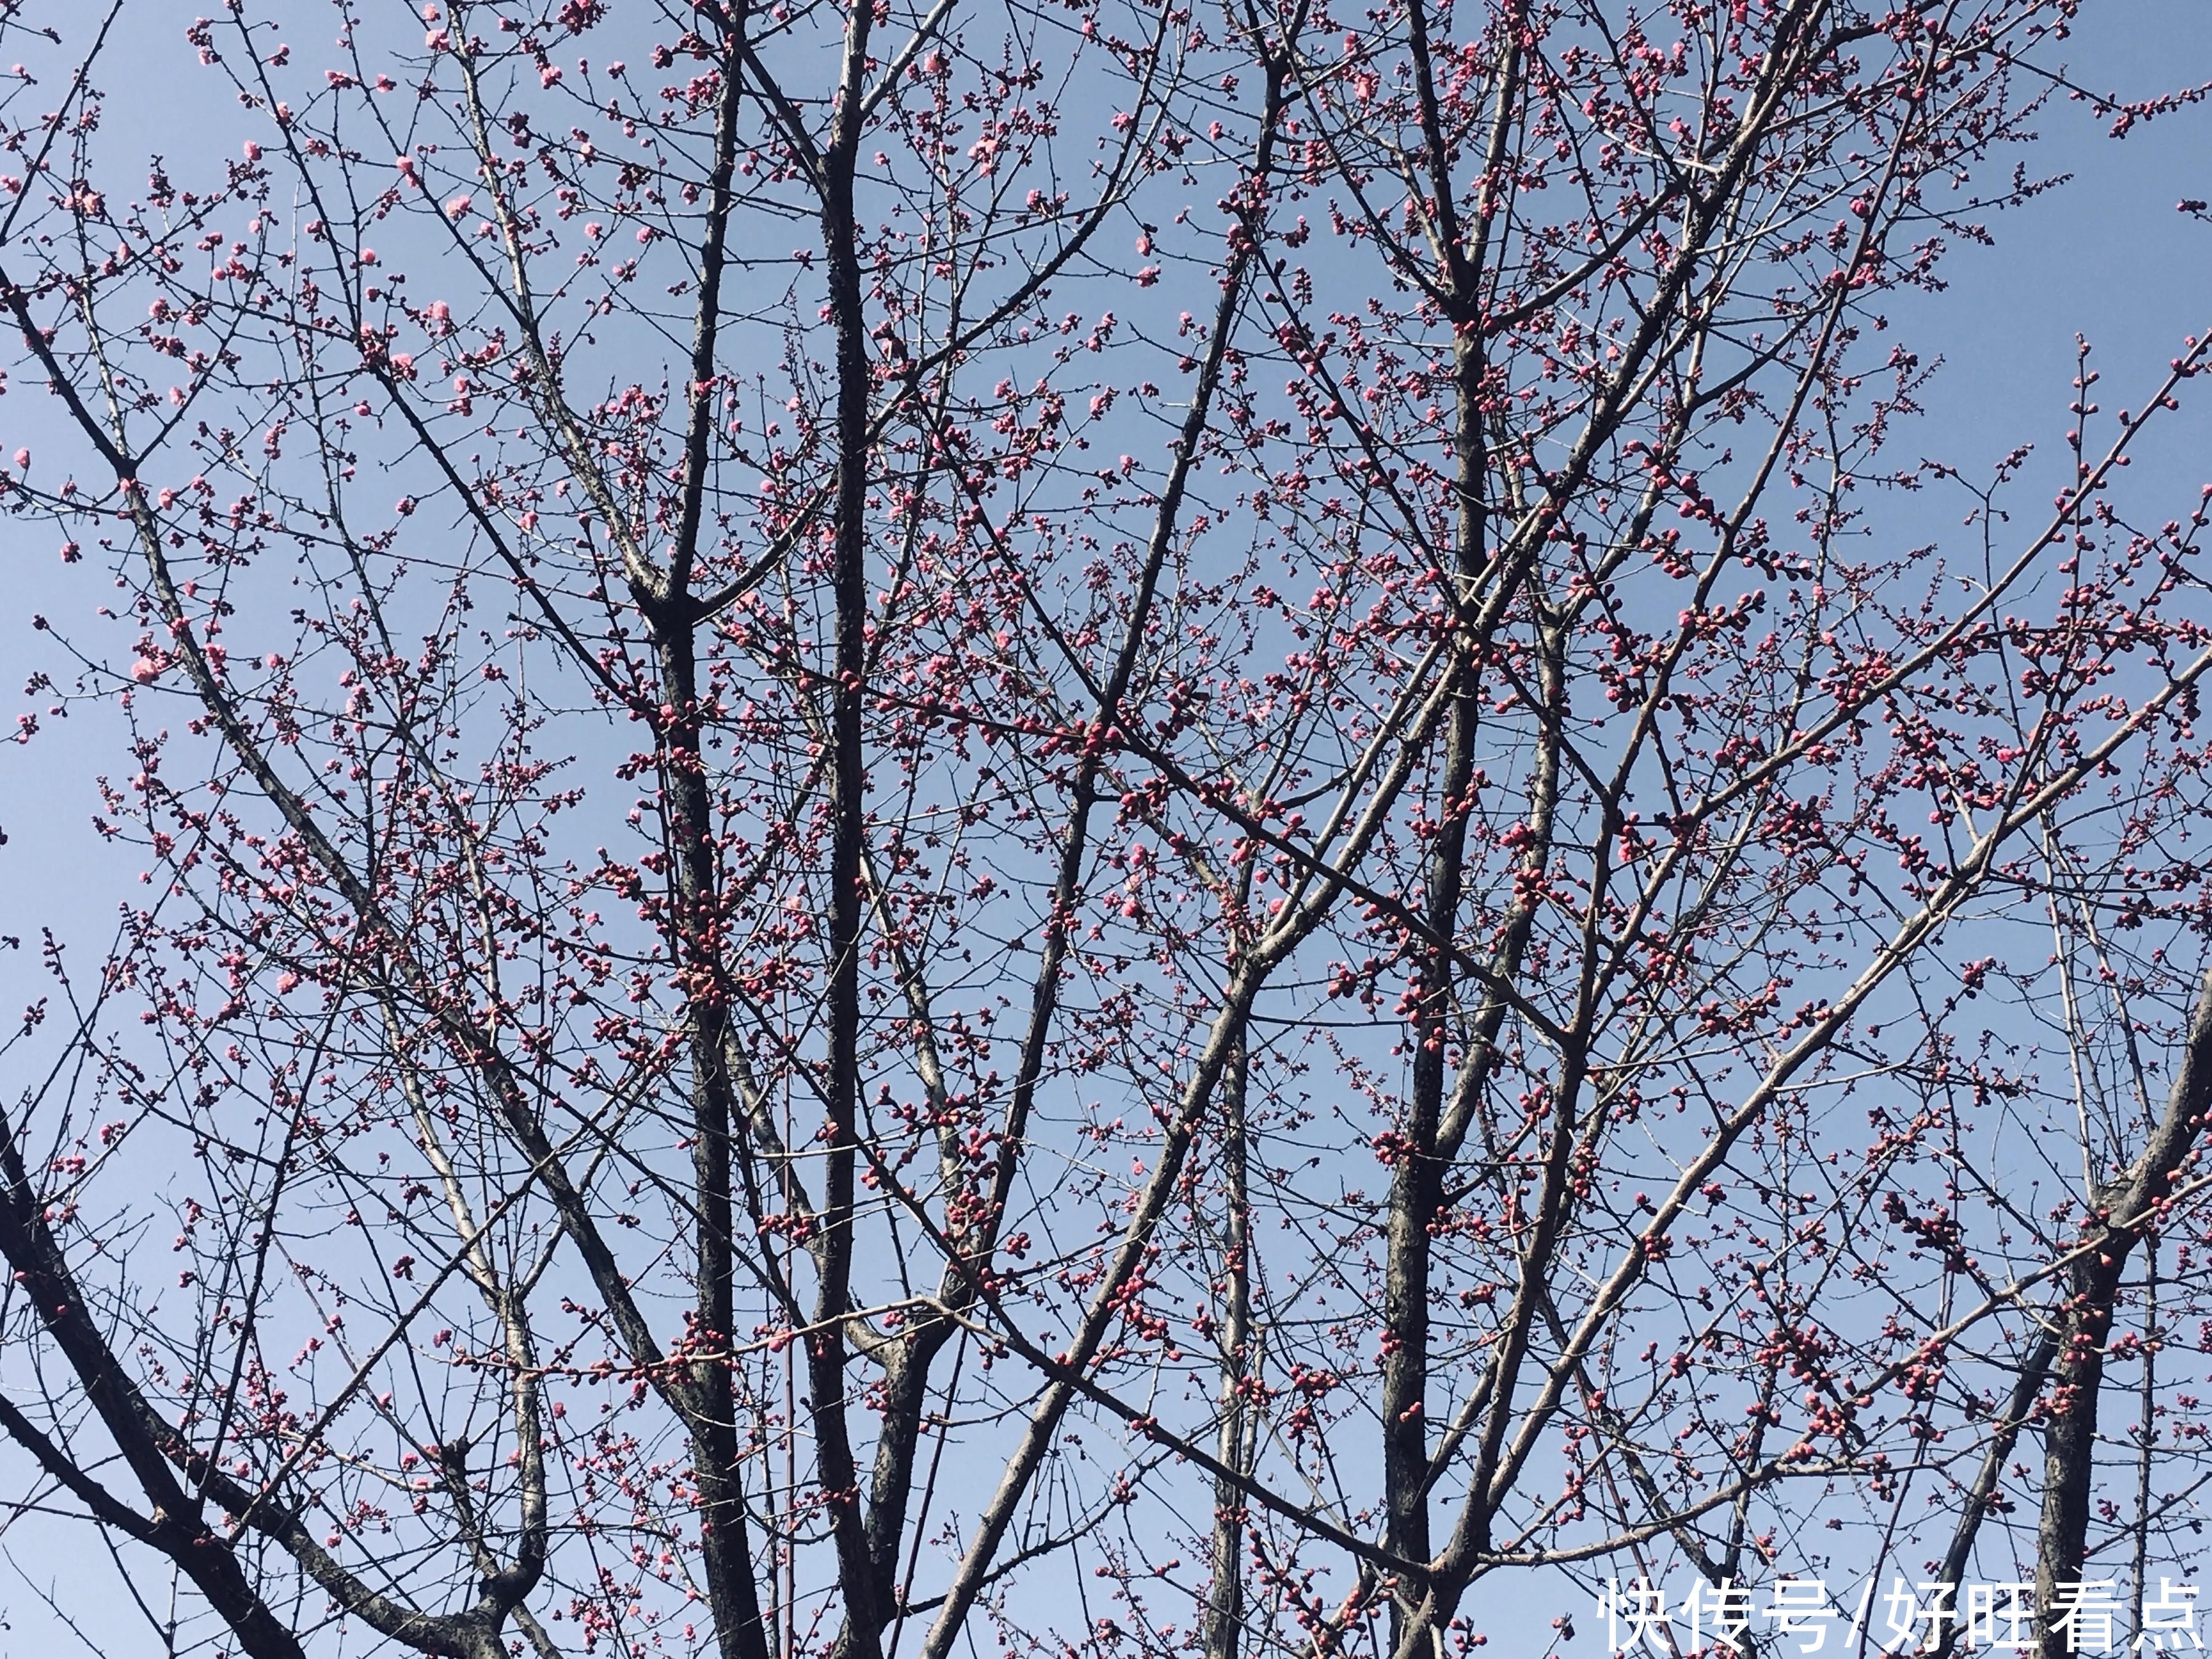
x=926 y=950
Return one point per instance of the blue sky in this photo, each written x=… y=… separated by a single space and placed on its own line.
x=2107 y=257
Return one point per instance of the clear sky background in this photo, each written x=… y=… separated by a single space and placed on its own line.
x=2106 y=256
